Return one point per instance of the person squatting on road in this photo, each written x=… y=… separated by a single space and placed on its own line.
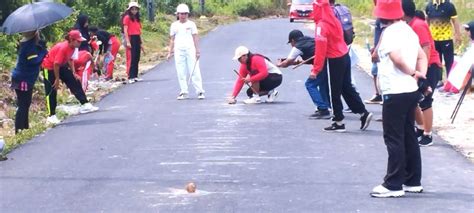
x=184 y=45
x=260 y=73
x=331 y=52
x=59 y=64
x=25 y=74
x=132 y=28
x=303 y=46
x=424 y=113
x=108 y=50
x=402 y=63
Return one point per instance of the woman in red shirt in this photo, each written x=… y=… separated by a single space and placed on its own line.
x=331 y=53
x=59 y=64
x=133 y=29
x=257 y=70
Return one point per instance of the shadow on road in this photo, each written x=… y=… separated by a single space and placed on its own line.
x=92 y=122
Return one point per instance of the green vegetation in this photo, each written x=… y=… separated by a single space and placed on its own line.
x=106 y=14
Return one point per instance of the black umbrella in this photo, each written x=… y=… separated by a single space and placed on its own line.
x=35 y=16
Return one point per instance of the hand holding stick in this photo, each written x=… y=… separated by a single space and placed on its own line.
x=303 y=62
x=255 y=92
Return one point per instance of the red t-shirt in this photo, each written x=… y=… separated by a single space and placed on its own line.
x=258 y=72
x=424 y=35
x=134 y=27
x=81 y=61
x=60 y=54
x=329 y=37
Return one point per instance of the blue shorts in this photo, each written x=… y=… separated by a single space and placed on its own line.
x=375 y=69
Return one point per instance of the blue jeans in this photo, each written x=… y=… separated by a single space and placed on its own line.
x=318 y=90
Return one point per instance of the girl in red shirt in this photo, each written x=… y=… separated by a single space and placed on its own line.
x=133 y=29
x=83 y=66
x=258 y=71
x=59 y=64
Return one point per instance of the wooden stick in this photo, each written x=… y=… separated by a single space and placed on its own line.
x=246 y=83
x=303 y=62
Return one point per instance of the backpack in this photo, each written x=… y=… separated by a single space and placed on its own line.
x=345 y=17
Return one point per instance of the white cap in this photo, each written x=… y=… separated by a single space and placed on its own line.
x=133 y=4
x=182 y=8
x=240 y=51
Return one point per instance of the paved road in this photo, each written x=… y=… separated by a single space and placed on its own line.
x=140 y=150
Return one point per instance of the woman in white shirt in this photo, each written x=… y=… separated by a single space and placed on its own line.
x=402 y=62
x=185 y=48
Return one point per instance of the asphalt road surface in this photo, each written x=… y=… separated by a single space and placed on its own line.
x=141 y=149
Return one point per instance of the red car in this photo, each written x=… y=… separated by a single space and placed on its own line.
x=301 y=10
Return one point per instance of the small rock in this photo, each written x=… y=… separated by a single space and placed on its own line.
x=191 y=187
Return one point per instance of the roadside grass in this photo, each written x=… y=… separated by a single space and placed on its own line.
x=362 y=10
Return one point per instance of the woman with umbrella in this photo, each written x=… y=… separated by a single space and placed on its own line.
x=30 y=56
x=59 y=64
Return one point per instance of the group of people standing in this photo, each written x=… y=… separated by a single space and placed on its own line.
x=407 y=71
x=409 y=68
x=328 y=53
x=77 y=57
x=70 y=61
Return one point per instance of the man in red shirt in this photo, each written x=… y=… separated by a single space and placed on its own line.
x=424 y=116
x=59 y=64
x=331 y=51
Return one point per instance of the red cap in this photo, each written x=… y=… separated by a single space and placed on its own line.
x=76 y=35
x=389 y=9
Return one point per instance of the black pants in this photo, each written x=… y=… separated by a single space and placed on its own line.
x=135 y=42
x=446 y=52
x=341 y=84
x=71 y=82
x=432 y=77
x=404 y=159
x=272 y=81
x=23 y=103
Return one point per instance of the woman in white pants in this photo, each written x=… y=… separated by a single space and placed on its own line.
x=184 y=46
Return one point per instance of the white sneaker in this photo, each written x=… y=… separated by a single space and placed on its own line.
x=138 y=79
x=131 y=81
x=182 y=96
x=201 y=96
x=88 y=107
x=413 y=189
x=253 y=100
x=381 y=191
x=53 y=120
x=272 y=96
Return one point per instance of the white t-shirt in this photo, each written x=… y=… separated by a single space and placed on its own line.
x=398 y=36
x=183 y=34
x=272 y=68
x=294 y=53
